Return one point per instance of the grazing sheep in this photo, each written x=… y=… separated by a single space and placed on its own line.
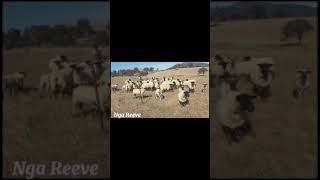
x=183 y=97
x=12 y=83
x=114 y=87
x=138 y=92
x=232 y=110
x=159 y=94
x=84 y=99
x=302 y=83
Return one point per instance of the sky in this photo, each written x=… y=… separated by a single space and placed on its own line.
x=22 y=14
x=307 y=3
x=130 y=65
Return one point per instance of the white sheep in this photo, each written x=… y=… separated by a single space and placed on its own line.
x=61 y=82
x=13 y=82
x=148 y=85
x=138 y=92
x=114 y=87
x=166 y=86
x=190 y=83
x=183 y=97
x=232 y=109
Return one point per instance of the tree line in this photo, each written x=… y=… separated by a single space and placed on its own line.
x=82 y=35
x=134 y=72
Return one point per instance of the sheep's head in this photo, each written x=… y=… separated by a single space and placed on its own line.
x=246 y=102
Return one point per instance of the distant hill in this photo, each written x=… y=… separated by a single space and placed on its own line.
x=189 y=65
x=248 y=10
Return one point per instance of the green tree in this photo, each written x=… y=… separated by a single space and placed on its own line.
x=296 y=28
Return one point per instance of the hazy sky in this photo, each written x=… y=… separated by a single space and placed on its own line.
x=307 y=3
x=130 y=65
x=22 y=14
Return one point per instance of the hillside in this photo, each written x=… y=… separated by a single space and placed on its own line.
x=189 y=65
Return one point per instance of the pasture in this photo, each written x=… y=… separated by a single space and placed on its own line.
x=285 y=145
x=42 y=130
x=169 y=107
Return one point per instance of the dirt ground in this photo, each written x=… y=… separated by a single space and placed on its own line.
x=150 y=107
x=41 y=130
x=286 y=142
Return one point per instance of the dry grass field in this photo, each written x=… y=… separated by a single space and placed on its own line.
x=41 y=130
x=286 y=129
x=150 y=107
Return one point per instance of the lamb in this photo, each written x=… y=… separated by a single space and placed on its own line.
x=183 y=97
x=138 y=92
x=232 y=111
x=84 y=99
x=159 y=94
x=13 y=82
x=302 y=83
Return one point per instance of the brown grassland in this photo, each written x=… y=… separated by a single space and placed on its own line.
x=41 y=130
x=150 y=107
x=286 y=129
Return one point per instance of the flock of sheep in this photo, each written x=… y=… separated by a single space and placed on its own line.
x=139 y=87
x=87 y=83
x=235 y=100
